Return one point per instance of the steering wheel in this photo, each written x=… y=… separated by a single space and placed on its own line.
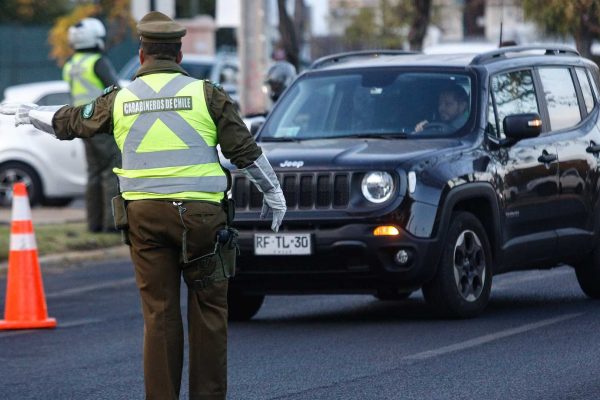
x=435 y=126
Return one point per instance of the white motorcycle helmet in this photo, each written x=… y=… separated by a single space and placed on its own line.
x=87 y=34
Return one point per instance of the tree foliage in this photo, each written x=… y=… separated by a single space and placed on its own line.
x=390 y=24
x=577 y=18
x=115 y=14
x=32 y=11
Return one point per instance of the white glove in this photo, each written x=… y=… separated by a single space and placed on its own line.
x=19 y=110
x=262 y=175
x=274 y=200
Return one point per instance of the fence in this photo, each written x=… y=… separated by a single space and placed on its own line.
x=24 y=55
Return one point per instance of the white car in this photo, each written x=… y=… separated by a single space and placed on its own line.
x=53 y=170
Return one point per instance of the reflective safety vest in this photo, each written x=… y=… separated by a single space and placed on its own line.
x=83 y=81
x=168 y=140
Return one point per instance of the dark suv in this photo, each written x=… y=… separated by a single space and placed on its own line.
x=435 y=172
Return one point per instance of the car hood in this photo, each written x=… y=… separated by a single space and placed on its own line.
x=350 y=153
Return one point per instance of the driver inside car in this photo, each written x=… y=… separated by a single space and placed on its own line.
x=453 y=106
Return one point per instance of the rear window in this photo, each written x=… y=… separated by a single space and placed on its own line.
x=373 y=102
x=561 y=98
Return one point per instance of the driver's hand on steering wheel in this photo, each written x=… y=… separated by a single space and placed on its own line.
x=421 y=125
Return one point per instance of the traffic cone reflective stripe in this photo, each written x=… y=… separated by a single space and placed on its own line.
x=25 y=306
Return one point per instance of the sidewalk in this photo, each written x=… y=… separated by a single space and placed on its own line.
x=48 y=215
x=60 y=215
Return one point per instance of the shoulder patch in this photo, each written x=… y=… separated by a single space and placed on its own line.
x=109 y=89
x=88 y=110
x=215 y=84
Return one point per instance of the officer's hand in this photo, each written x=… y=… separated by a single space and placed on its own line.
x=274 y=200
x=19 y=110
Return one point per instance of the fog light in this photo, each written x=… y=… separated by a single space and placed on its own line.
x=386 y=230
x=402 y=257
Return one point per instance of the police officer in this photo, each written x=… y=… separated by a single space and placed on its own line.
x=279 y=76
x=167 y=126
x=88 y=72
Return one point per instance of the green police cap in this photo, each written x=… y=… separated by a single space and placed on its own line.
x=156 y=27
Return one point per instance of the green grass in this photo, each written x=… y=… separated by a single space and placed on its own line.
x=60 y=238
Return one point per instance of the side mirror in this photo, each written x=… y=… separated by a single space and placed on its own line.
x=522 y=126
x=255 y=125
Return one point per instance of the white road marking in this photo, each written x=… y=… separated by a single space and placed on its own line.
x=478 y=341
x=504 y=282
x=89 y=288
x=59 y=325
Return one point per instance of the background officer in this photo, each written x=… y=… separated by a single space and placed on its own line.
x=167 y=126
x=88 y=72
x=279 y=76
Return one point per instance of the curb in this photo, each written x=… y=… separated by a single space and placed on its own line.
x=73 y=257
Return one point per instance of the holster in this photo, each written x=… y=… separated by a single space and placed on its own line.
x=119 y=212
x=216 y=266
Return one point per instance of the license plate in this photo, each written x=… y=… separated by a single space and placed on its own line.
x=282 y=244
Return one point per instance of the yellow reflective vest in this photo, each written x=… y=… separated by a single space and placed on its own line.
x=168 y=140
x=83 y=81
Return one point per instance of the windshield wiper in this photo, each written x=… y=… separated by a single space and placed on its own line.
x=278 y=139
x=395 y=135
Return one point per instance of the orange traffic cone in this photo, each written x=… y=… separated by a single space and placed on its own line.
x=25 y=306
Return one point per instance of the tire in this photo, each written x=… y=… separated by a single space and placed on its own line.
x=57 y=201
x=242 y=307
x=588 y=274
x=13 y=172
x=391 y=295
x=462 y=284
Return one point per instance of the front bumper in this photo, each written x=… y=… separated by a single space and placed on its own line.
x=344 y=259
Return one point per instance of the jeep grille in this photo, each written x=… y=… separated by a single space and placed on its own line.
x=302 y=190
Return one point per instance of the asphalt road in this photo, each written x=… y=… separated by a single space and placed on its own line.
x=537 y=340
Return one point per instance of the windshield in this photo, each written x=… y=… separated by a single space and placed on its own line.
x=372 y=103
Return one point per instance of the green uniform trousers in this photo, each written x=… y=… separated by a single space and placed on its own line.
x=102 y=155
x=155 y=232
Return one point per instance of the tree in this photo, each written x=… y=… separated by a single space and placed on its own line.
x=292 y=30
x=33 y=11
x=579 y=18
x=118 y=22
x=390 y=24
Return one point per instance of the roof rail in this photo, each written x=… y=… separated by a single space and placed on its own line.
x=340 y=57
x=494 y=55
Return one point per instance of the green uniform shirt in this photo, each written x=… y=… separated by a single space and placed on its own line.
x=233 y=137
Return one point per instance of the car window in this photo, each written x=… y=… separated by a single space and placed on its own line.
x=513 y=93
x=54 y=99
x=373 y=102
x=586 y=90
x=592 y=79
x=198 y=70
x=561 y=98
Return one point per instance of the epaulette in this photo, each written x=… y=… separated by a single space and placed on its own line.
x=109 y=89
x=215 y=84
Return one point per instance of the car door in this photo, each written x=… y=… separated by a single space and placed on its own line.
x=572 y=120
x=527 y=173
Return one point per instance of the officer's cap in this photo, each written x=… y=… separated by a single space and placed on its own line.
x=156 y=27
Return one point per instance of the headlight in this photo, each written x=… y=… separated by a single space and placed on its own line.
x=377 y=187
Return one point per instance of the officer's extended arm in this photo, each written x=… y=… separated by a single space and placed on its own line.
x=29 y=113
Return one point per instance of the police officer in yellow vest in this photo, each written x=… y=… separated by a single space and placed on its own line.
x=88 y=72
x=167 y=126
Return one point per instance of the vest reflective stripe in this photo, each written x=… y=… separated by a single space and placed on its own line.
x=180 y=159
x=197 y=153
x=174 y=185
x=79 y=72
